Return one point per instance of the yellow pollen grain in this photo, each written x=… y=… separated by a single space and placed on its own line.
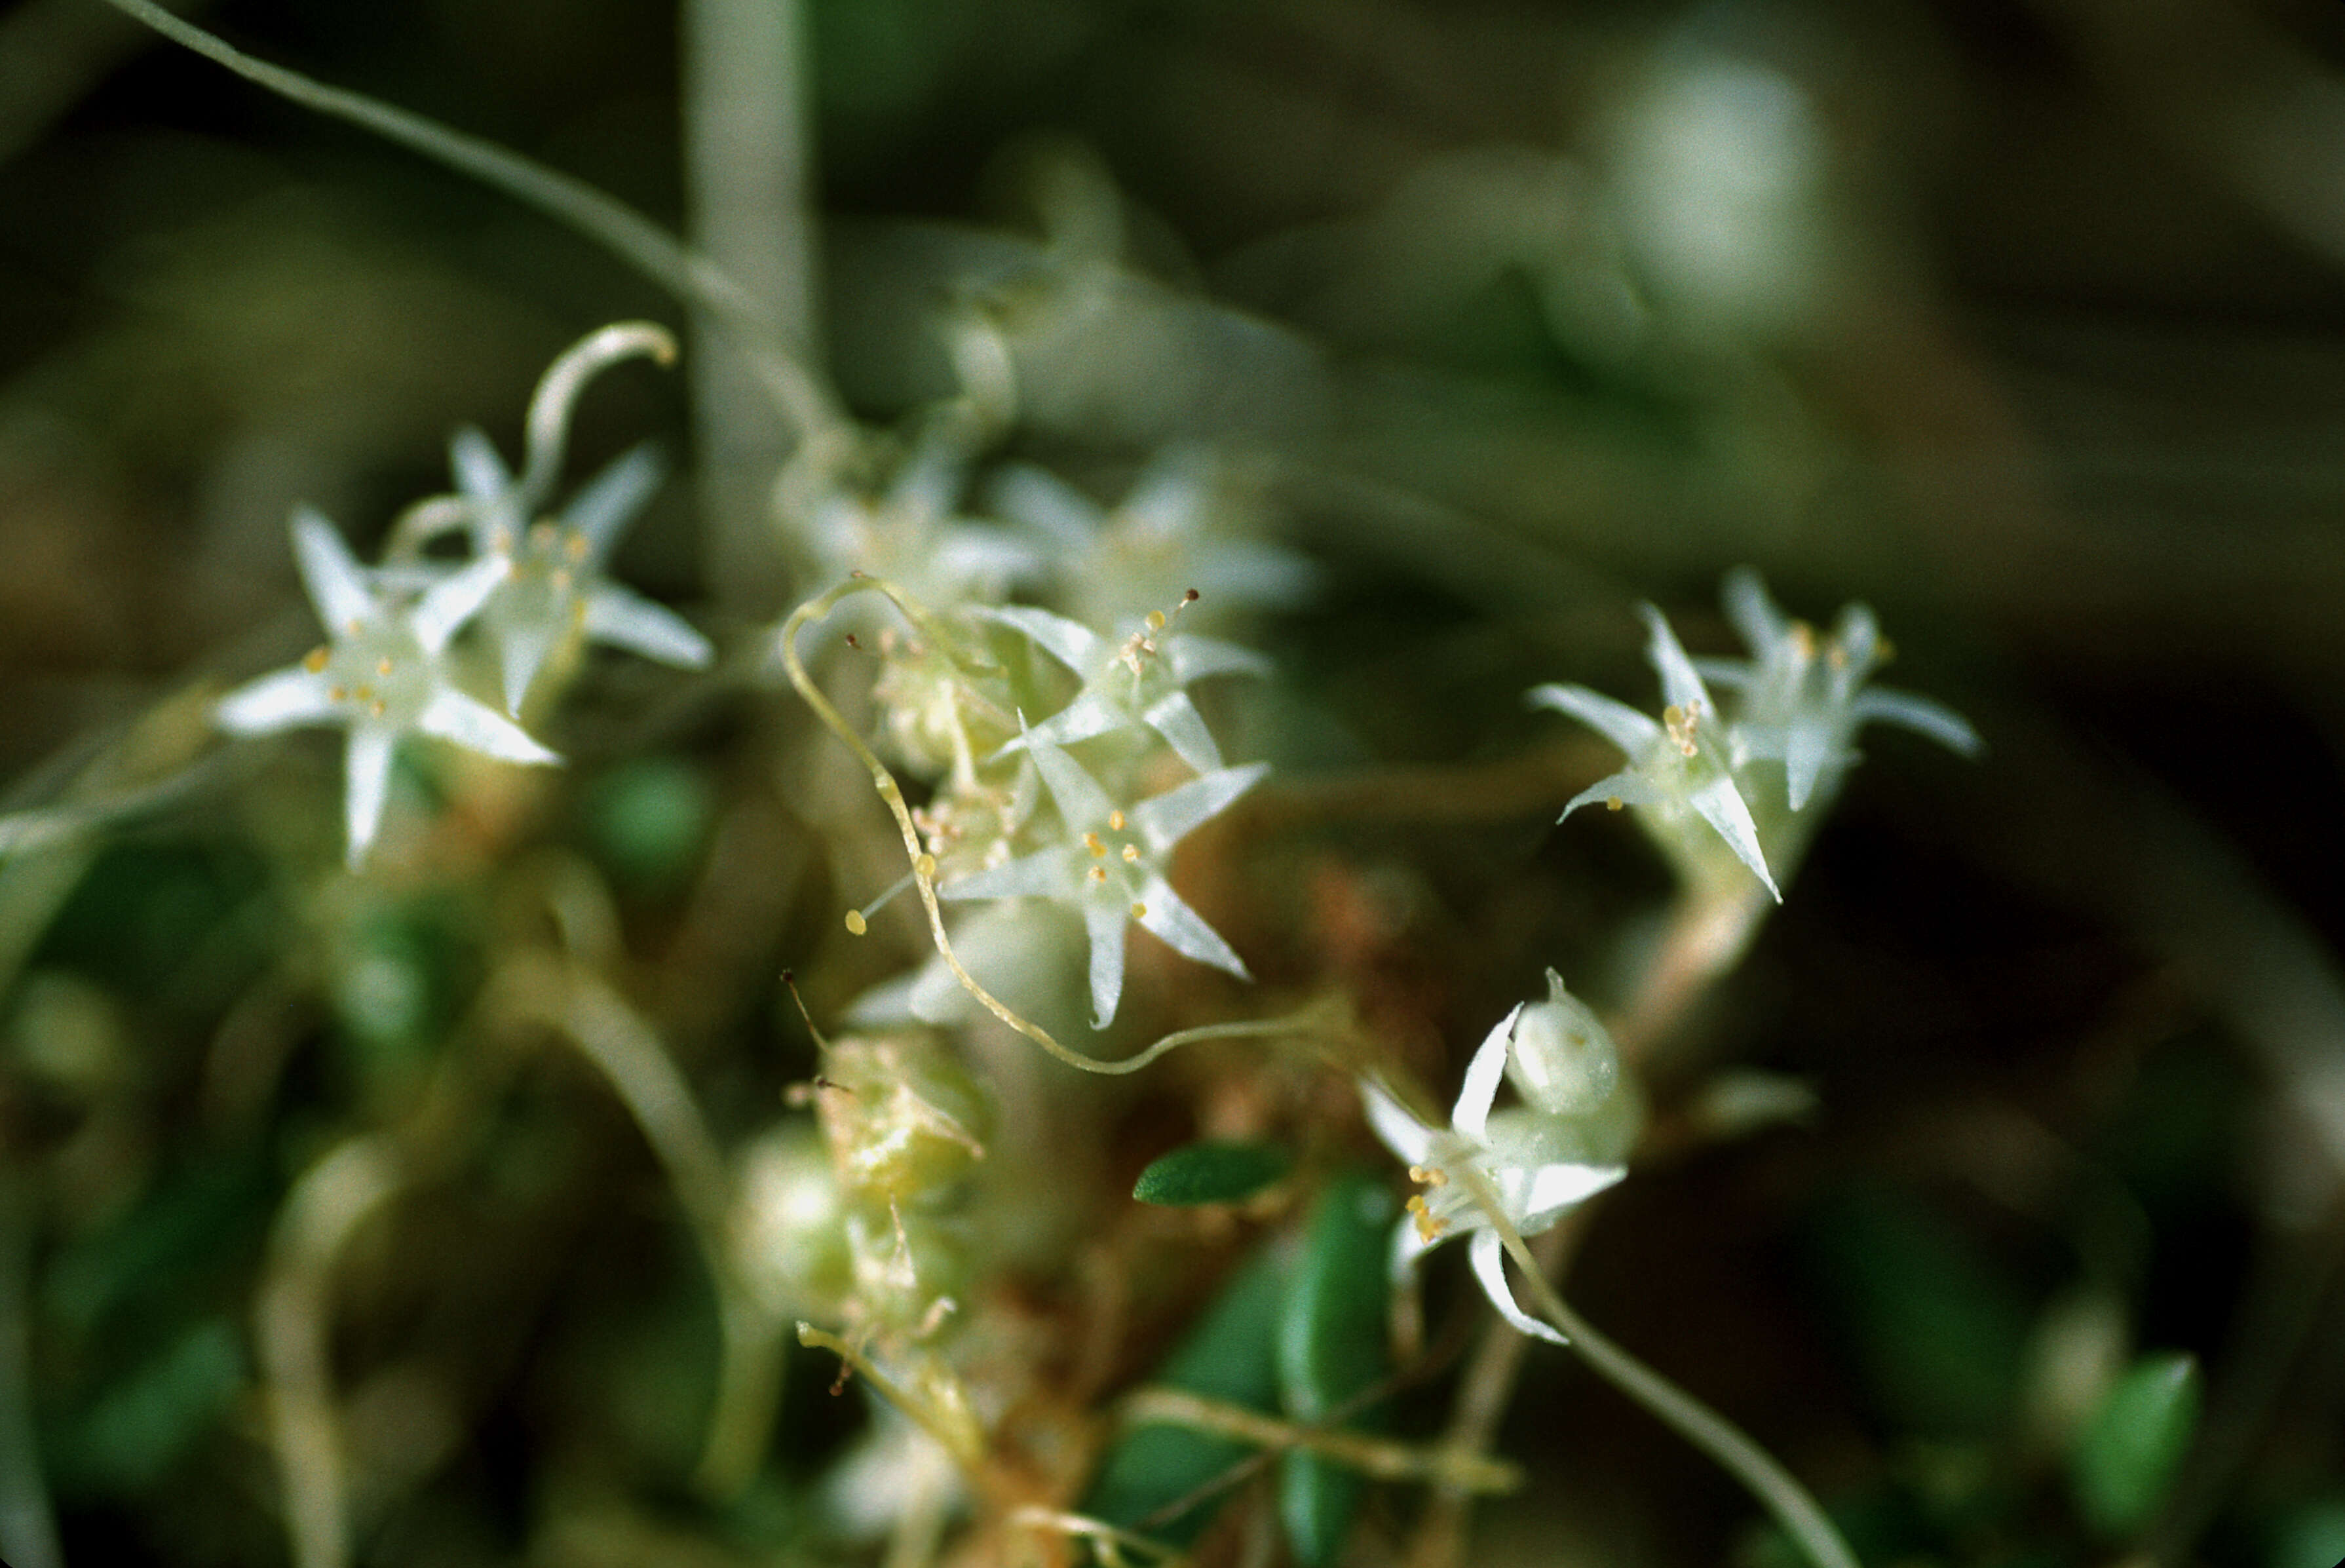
x=378 y=707
x=926 y=865
x=1132 y=854
x=1156 y=620
x=1139 y=911
x=315 y=660
x=1115 y=822
x=1091 y=842
x=339 y=693
x=365 y=694
x=856 y=924
x=576 y=545
x=1098 y=874
x=382 y=667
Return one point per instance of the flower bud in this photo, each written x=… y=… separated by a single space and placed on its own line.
x=904 y=1119
x=1563 y=1061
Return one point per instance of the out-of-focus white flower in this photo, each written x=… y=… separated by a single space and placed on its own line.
x=1180 y=528
x=1531 y=1163
x=383 y=677
x=1140 y=681
x=1804 y=697
x=1110 y=865
x=1679 y=774
x=911 y=533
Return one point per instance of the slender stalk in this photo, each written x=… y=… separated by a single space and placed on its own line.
x=800 y=395
x=1800 y=1515
x=748 y=162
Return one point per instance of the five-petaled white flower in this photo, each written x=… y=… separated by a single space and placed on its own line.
x=1524 y=1161
x=1141 y=680
x=1804 y=699
x=1110 y=867
x=383 y=675
x=1679 y=768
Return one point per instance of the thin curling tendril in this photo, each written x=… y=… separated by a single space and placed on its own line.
x=1307 y=1021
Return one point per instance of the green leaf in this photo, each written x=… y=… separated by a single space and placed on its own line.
x=2125 y=1461
x=1229 y=1356
x=1332 y=1345
x=1211 y=1172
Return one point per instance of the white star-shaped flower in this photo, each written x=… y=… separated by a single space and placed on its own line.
x=1140 y=681
x=1804 y=699
x=1524 y=1160
x=1110 y=867
x=384 y=675
x=1680 y=768
x=554 y=587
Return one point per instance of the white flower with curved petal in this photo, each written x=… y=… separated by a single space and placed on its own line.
x=555 y=588
x=1680 y=772
x=383 y=677
x=911 y=533
x=1523 y=1159
x=1804 y=699
x=1140 y=682
x=1111 y=867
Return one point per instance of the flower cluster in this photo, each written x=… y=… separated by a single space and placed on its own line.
x=1053 y=746
x=1752 y=782
x=535 y=583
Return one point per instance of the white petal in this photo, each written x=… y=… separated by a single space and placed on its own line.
x=1681 y=685
x=1859 y=637
x=1489 y=1258
x=1471 y=1115
x=1165 y=819
x=1176 y=718
x=1939 y=722
x=337 y=585
x=1721 y=805
x=1082 y=803
x=1201 y=659
x=1560 y=1187
x=981 y=556
x=277 y=700
x=1183 y=930
x=1810 y=745
x=1048 y=505
x=365 y=785
x=1628 y=787
x=1105 y=920
x=451 y=716
x=624 y=618
x=1089 y=715
x=1410 y=1140
x=1046 y=873
x=480 y=474
x=1619 y=723
x=1071 y=643
x=1166 y=497
x=452 y=601
x=609 y=500
x=523 y=649
x=1753 y=614
x=1734 y=673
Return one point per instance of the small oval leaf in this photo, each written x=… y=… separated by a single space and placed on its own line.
x=1211 y=1172
x=2126 y=1459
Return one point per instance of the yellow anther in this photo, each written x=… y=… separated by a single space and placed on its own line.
x=378 y=707
x=339 y=693
x=542 y=535
x=1139 y=911
x=382 y=666
x=1156 y=620
x=1132 y=854
x=926 y=865
x=1803 y=640
x=1681 y=723
x=1099 y=874
x=856 y=924
x=1115 y=822
x=365 y=694
x=1428 y=1176
x=315 y=659
x=1611 y=802
x=1091 y=842
x=574 y=546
